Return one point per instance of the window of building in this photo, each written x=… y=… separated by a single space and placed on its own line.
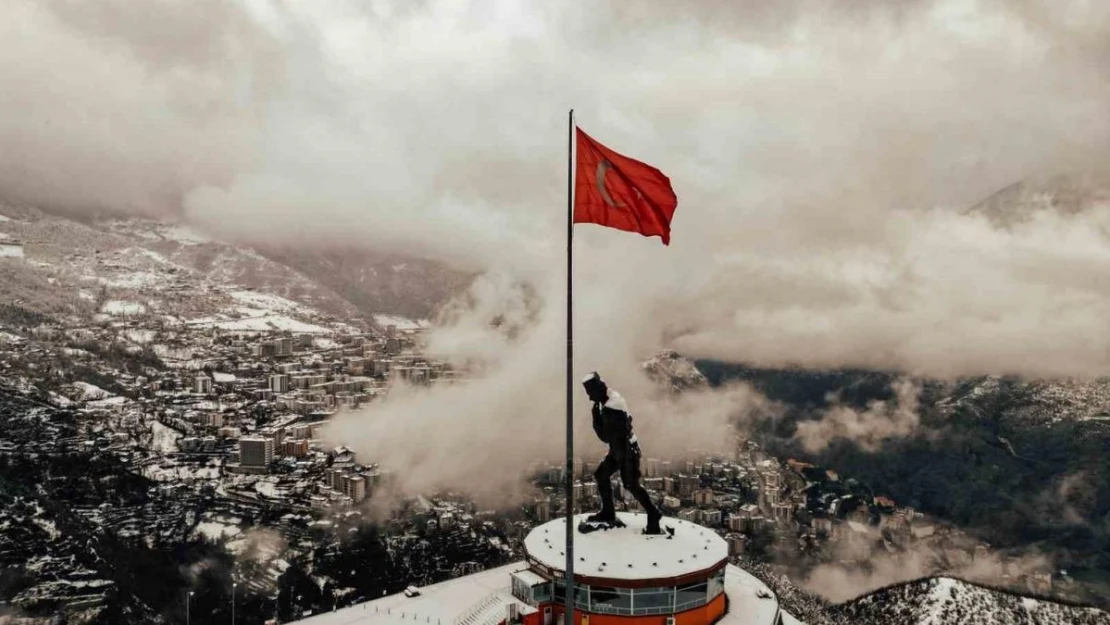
x=610 y=600
x=581 y=594
x=691 y=596
x=541 y=593
x=653 y=600
x=716 y=584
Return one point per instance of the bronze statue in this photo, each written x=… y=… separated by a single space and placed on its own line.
x=613 y=425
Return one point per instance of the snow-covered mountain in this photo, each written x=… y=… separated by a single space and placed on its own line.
x=142 y=266
x=674 y=372
x=1067 y=195
x=947 y=601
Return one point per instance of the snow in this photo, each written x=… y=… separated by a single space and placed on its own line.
x=625 y=553
x=438 y=603
x=163 y=437
x=139 y=336
x=939 y=598
x=133 y=280
x=746 y=606
x=273 y=322
x=176 y=473
x=121 y=307
x=90 y=391
x=402 y=323
x=152 y=255
x=262 y=323
x=266 y=301
x=214 y=530
x=268 y=488
x=49 y=526
x=616 y=401
x=108 y=403
x=322 y=342
x=484 y=596
x=59 y=400
x=185 y=235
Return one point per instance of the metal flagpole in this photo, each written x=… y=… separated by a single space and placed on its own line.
x=569 y=579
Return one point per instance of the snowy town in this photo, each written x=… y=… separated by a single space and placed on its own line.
x=223 y=417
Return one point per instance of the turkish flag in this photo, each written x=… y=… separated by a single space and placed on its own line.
x=620 y=192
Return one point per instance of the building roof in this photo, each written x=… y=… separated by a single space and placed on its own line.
x=480 y=597
x=625 y=553
x=530 y=578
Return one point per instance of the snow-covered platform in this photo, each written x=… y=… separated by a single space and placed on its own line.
x=625 y=553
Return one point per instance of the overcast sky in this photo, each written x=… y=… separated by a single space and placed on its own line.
x=823 y=153
x=818 y=152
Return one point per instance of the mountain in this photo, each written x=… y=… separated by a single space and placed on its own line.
x=926 y=601
x=76 y=266
x=1021 y=463
x=1063 y=194
x=674 y=373
x=947 y=601
x=376 y=282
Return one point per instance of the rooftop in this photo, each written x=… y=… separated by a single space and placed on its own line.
x=625 y=553
x=479 y=598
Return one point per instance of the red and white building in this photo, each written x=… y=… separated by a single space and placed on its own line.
x=622 y=577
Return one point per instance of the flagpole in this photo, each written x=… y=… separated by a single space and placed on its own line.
x=569 y=579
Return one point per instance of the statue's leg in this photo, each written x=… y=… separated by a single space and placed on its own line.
x=630 y=477
x=604 y=472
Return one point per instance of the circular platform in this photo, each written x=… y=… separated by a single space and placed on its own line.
x=627 y=554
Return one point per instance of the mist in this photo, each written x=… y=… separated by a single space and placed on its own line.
x=841 y=581
x=869 y=428
x=824 y=158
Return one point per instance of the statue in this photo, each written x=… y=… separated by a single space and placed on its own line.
x=613 y=426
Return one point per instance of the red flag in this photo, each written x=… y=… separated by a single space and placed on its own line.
x=620 y=192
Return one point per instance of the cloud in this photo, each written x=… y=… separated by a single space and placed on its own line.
x=479 y=436
x=822 y=155
x=868 y=428
x=857 y=571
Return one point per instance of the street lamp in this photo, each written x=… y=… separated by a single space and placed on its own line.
x=188 y=600
x=234 y=585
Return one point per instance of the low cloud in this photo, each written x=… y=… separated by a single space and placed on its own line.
x=870 y=427
x=858 y=571
x=479 y=435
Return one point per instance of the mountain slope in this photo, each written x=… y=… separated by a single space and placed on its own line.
x=72 y=265
x=947 y=601
x=1063 y=194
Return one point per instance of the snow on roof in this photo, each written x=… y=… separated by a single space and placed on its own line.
x=625 y=553
x=750 y=601
x=530 y=578
x=438 y=604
